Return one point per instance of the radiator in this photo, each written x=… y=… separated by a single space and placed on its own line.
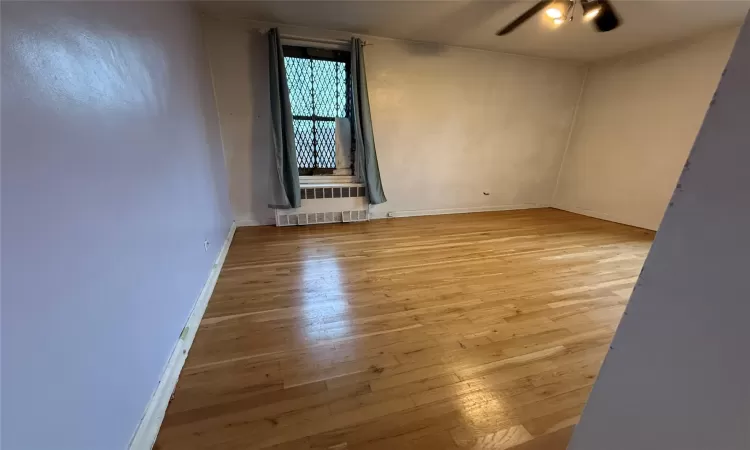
x=326 y=204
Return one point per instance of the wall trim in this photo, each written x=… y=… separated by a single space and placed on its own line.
x=436 y=212
x=603 y=216
x=255 y=223
x=145 y=435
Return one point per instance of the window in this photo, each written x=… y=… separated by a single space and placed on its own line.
x=319 y=93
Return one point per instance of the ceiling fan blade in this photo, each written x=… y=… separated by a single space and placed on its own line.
x=607 y=20
x=524 y=17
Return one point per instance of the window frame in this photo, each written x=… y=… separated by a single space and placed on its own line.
x=312 y=52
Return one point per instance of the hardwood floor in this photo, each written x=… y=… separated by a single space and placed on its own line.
x=466 y=331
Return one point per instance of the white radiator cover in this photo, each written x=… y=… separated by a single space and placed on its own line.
x=288 y=218
x=320 y=206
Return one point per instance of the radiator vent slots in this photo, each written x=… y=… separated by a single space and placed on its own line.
x=284 y=219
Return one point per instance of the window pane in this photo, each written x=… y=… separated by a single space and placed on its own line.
x=299 y=79
x=303 y=140
x=325 y=136
x=310 y=136
x=329 y=88
x=341 y=90
x=318 y=94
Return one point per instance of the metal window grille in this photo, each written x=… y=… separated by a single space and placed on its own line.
x=319 y=93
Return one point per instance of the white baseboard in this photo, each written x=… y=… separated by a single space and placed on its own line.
x=435 y=212
x=148 y=428
x=255 y=223
x=603 y=216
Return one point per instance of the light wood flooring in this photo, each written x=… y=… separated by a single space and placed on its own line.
x=465 y=331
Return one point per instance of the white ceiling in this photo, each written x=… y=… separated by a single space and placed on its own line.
x=473 y=23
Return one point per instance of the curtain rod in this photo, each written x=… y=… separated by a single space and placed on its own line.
x=313 y=39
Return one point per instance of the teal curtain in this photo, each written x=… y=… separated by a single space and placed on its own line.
x=285 y=180
x=365 y=157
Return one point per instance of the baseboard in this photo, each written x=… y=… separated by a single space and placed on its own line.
x=255 y=223
x=148 y=428
x=602 y=216
x=436 y=212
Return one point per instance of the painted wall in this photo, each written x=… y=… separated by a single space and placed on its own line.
x=635 y=125
x=676 y=377
x=112 y=178
x=450 y=123
x=239 y=67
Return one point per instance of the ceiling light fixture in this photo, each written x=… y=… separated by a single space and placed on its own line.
x=560 y=12
x=554 y=13
x=600 y=13
x=591 y=9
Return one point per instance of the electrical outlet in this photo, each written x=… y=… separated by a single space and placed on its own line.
x=206 y=244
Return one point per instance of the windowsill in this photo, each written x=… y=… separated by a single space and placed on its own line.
x=328 y=180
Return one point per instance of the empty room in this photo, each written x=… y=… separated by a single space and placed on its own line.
x=358 y=224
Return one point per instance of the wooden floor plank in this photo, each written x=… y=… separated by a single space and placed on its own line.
x=468 y=331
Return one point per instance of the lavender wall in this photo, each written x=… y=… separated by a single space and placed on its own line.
x=677 y=374
x=112 y=178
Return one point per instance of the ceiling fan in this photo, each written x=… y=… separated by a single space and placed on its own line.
x=601 y=12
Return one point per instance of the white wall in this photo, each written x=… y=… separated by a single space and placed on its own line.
x=635 y=125
x=450 y=123
x=677 y=374
x=239 y=68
